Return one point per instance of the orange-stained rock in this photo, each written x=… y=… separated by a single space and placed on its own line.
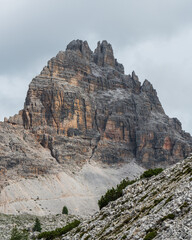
x=167 y=144
x=82 y=107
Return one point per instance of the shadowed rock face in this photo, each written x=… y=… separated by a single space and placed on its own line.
x=83 y=107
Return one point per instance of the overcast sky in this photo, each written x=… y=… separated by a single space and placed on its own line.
x=152 y=37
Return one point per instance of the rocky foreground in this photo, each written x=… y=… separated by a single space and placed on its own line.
x=26 y=221
x=155 y=208
x=159 y=207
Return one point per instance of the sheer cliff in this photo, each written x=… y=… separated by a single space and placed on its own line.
x=82 y=106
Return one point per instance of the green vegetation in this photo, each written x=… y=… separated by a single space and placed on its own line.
x=151 y=172
x=114 y=193
x=150 y=235
x=103 y=217
x=65 y=210
x=58 y=231
x=78 y=230
x=157 y=201
x=188 y=170
x=144 y=209
x=168 y=199
x=154 y=193
x=81 y=235
x=184 y=205
x=141 y=200
x=37 y=226
x=87 y=237
x=19 y=235
x=169 y=216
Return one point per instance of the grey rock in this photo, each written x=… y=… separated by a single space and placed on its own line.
x=158 y=210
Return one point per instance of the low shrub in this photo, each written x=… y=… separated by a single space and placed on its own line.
x=151 y=172
x=19 y=235
x=86 y=238
x=170 y=216
x=150 y=235
x=114 y=193
x=157 y=201
x=49 y=235
x=168 y=199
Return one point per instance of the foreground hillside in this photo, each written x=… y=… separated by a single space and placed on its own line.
x=26 y=221
x=159 y=208
x=79 y=191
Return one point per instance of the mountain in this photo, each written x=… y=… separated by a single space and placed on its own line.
x=83 y=107
x=85 y=125
x=159 y=208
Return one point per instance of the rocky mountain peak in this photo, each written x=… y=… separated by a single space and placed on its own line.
x=103 y=55
x=147 y=86
x=82 y=47
x=134 y=76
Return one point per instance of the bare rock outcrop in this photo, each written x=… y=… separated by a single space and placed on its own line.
x=22 y=156
x=154 y=208
x=82 y=106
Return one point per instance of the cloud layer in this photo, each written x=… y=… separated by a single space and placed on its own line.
x=151 y=37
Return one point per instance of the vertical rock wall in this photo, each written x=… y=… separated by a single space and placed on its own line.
x=82 y=106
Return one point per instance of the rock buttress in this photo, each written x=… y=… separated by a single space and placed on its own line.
x=82 y=106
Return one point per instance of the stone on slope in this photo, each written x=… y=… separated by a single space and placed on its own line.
x=160 y=206
x=48 y=193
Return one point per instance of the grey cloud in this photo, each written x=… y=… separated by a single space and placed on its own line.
x=149 y=36
x=36 y=28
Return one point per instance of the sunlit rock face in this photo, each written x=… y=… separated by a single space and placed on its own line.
x=83 y=107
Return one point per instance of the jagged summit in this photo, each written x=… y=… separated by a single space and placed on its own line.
x=82 y=46
x=78 y=45
x=103 y=55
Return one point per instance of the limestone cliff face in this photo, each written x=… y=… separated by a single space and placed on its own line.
x=22 y=156
x=82 y=106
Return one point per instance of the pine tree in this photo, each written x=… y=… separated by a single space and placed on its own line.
x=65 y=210
x=37 y=226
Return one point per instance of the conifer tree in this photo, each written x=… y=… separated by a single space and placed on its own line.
x=37 y=225
x=65 y=210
